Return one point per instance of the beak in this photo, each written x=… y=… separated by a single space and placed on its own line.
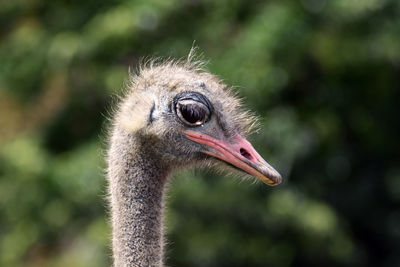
x=240 y=154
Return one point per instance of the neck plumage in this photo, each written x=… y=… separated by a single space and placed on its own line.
x=136 y=186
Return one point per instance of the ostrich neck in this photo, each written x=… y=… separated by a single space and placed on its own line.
x=136 y=186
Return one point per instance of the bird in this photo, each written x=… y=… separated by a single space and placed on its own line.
x=173 y=115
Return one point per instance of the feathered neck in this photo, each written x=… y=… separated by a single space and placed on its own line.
x=136 y=187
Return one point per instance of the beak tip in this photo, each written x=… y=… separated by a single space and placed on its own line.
x=278 y=179
x=270 y=176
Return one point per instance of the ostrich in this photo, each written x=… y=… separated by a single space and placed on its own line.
x=174 y=115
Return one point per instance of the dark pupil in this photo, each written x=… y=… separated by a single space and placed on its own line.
x=192 y=113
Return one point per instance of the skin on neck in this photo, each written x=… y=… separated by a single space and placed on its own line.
x=136 y=187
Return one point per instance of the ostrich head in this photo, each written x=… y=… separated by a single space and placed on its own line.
x=183 y=116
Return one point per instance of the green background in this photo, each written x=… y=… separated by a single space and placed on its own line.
x=323 y=76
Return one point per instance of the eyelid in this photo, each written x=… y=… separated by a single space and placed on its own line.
x=187 y=101
x=195 y=96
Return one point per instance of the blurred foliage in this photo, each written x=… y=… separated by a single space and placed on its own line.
x=322 y=75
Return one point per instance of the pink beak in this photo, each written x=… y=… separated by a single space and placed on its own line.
x=240 y=154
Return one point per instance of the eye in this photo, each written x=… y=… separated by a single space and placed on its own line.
x=192 y=112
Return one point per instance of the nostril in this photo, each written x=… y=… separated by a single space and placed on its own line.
x=245 y=154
